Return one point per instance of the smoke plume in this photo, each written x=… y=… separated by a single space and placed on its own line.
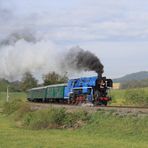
x=22 y=51
x=26 y=46
x=23 y=56
x=16 y=36
x=79 y=59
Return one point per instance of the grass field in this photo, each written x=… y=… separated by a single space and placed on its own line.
x=12 y=96
x=104 y=130
x=118 y=96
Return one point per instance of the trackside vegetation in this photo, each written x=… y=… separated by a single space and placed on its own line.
x=134 y=97
x=12 y=96
x=44 y=119
x=23 y=126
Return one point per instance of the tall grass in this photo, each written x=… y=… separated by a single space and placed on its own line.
x=118 y=124
x=12 y=106
x=137 y=97
x=12 y=96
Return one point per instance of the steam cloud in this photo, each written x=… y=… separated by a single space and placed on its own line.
x=79 y=59
x=22 y=49
x=21 y=52
x=16 y=36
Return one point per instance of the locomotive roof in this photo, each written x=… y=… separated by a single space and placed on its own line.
x=42 y=87
x=84 y=77
x=64 y=84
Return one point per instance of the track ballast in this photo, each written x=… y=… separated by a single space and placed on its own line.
x=89 y=107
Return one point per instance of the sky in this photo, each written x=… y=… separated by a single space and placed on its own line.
x=34 y=34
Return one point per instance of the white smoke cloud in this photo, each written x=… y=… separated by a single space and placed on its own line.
x=24 y=56
x=22 y=52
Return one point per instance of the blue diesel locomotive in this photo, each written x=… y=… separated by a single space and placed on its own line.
x=81 y=90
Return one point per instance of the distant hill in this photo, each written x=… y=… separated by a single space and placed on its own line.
x=133 y=76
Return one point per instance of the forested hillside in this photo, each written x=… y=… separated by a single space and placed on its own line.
x=133 y=76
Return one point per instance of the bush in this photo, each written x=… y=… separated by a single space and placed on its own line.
x=136 y=96
x=76 y=119
x=55 y=118
x=51 y=118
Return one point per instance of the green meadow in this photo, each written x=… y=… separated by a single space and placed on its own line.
x=135 y=97
x=104 y=129
x=12 y=96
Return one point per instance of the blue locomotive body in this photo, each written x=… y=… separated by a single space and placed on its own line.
x=88 y=89
x=80 y=86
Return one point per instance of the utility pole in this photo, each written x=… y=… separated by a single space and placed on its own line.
x=7 y=96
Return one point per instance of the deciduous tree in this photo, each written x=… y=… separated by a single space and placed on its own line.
x=54 y=78
x=28 y=81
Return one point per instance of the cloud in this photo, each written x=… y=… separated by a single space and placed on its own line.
x=38 y=29
x=18 y=35
x=120 y=58
x=81 y=20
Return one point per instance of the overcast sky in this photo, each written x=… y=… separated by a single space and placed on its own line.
x=115 y=30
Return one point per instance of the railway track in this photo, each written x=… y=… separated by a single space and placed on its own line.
x=126 y=109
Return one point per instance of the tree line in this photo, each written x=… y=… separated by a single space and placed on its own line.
x=29 y=81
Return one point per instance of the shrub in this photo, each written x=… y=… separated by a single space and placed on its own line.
x=51 y=118
x=55 y=118
x=76 y=119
